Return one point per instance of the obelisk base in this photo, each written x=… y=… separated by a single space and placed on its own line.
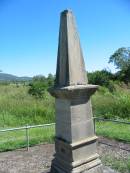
x=81 y=169
x=76 y=157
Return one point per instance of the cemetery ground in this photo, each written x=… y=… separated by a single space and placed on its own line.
x=38 y=158
x=18 y=108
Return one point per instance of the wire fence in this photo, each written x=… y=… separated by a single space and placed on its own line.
x=27 y=136
x=111 y=120
x=114 y=129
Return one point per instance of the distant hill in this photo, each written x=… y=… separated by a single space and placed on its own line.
x=10 y=77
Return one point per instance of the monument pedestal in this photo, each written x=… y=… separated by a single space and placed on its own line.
x=75 y=142
x=79 y=164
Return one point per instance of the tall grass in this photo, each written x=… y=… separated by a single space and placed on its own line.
x=18 y=108
x=112 y=105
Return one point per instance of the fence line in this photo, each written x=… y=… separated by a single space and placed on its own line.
x=108 y=120
x=27 y=127
x=111 y=120
x=44 y=125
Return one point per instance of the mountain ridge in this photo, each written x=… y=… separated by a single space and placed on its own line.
x=10 y=77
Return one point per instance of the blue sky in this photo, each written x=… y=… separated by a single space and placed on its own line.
x=29 y=33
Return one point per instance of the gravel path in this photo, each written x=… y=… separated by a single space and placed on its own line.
x=38 y=158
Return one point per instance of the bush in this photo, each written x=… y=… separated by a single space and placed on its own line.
x=40 y=84
x=102 y=78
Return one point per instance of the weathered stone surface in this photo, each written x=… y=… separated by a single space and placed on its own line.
x=70 y=57
x=105 y=170
x=75 y=142
x=73 y=120
x=89 y=167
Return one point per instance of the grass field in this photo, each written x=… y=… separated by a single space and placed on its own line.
x=18 y=108
x=113 y=130
x=17 y=139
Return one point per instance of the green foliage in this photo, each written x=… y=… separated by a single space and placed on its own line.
x=40 y=84
x=50 y=80
x=112 y=105
x=121 y=59
x=18 y=108
x=102 y=78
x=4 y=83
x=117 y=163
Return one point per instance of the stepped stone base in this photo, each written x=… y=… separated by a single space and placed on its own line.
x=81 y=169
x=79 y=157
x=105 y=170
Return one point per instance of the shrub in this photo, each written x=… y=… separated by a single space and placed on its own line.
x=102 y=78
x=40 y=84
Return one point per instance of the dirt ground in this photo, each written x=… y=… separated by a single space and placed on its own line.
x=38 y=158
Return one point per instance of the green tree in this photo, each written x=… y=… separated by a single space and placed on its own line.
x=50 y=80
x=40 y=84
x=121 y=59
x=102 y=78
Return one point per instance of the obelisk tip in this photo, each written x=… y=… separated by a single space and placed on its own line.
x=66 y=11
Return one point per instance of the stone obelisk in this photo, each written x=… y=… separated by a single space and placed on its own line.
x=75 y=142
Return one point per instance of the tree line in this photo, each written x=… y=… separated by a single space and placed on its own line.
x=120 y=58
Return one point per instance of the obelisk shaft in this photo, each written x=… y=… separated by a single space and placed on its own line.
x=70 y=62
